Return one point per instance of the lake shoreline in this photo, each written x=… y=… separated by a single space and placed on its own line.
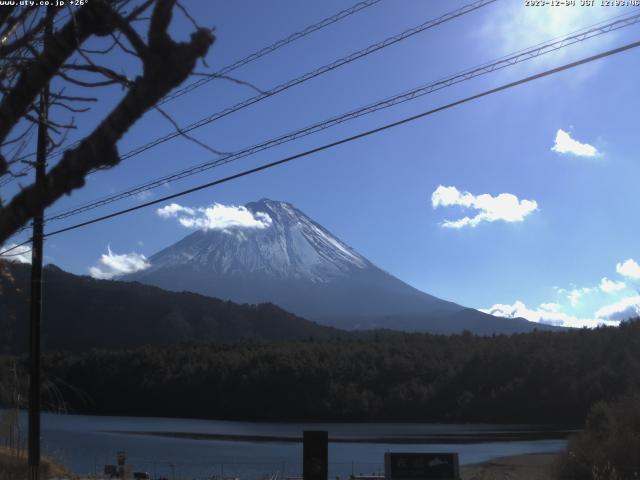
x=476 y=437
x=85 y=443
x=534 y=466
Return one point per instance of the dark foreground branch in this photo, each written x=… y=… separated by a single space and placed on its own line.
x=166 y=65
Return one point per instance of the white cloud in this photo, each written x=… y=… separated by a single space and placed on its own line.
x=583 y=302
x=565 y=144
x=550 y=307
x=173 y=209
x=19 y=254
x=611 y=286
x=111 y=265
x=506 y=206
x=216 y=217
x=576 y=294
x=624 y=309
x=629 y=268
x=547 y=313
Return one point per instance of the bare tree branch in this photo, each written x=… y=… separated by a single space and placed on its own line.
x=94 y=18
x=99 y=69
x=134 y=39
x=86 y=84
x=139 y=10
x=231 y=79
x=5 y=13
x=73 y=98
x=166 y=65
x=188 y=16
x=186 y=135
x=104 y=51
x=68 y=107
x=24 y=39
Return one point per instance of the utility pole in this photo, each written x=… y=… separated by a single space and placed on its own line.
x=36 y=281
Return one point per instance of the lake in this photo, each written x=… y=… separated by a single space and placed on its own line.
x=202 y=448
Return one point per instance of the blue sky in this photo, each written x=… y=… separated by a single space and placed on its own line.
x=522 y=203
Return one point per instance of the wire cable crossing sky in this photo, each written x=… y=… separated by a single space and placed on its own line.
x=519 y=205
x=504 y=62
x=336 y=143
x=235 y=65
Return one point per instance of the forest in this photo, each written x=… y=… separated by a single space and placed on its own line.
x=110 y=314
x=539 y=377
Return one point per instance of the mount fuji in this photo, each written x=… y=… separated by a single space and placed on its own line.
x=288 y=259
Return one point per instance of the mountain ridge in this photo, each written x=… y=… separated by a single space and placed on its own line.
x=294 y=262
x=81 y=313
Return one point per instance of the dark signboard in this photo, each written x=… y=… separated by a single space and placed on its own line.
x=421 y=466
x=315 y=455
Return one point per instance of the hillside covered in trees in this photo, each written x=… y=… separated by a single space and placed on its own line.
x=82 y=313
x=539 y=377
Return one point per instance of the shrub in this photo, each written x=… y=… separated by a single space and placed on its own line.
x=609 y=446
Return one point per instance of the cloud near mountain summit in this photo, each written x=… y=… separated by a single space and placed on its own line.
x=215 y=217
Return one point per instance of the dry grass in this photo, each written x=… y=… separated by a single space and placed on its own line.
x=13 y=467
x=520 y=467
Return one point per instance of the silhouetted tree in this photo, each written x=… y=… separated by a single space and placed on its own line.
x=31 y=59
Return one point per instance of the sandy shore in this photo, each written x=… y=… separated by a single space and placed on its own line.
x=519 y=467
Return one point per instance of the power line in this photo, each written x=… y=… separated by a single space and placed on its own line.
x=235 y=65
x=352 y=57
x=312 y=74
x=271 y=48
x=352 y=138
x=303 y=78
x=3 y=254
x=367 y=133
x=445 y=82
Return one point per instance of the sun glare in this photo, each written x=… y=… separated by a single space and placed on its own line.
x=517 y=27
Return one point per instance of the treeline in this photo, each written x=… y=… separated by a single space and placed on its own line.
x=81 y=313
x=539 y=377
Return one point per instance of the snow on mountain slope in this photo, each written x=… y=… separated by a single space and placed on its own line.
x=293 y=246
x=286 y=258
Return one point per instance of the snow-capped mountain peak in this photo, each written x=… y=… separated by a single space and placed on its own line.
x=291 y=246
x=269 y=251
